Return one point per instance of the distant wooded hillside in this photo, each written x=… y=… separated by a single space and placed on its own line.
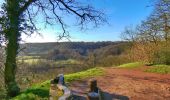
x=82 y=48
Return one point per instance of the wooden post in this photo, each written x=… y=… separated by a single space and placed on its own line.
x=93 y=86
x=56 y=80
x=94 y=91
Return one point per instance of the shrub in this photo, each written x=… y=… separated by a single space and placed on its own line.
x=162 y=57
x=13 y=87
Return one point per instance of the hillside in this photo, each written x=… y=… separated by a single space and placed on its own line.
x=81 y=47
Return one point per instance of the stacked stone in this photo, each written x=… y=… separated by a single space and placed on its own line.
x=58 y=83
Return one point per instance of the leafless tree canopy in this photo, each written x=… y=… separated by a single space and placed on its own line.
x=156 y=27
x=52 y=12
x=152 y=36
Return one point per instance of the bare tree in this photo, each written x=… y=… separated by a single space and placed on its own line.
x=161 y=15
x=148 y=31
x=129 y=34
x=19 y=17
x=153 y=34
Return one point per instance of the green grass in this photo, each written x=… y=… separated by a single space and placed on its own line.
x=41 y=91
x=36 y=92
x=131 y=65
x=162 y=69
x=84 y=74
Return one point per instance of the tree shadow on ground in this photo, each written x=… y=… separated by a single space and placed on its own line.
x=77 y=97
x=108 y=96
x=104 y=96
x=39 y=92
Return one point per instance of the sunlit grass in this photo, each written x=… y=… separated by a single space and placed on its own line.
x=84 y=74
x=36 y=92
x=132 y=65
x=162 y=69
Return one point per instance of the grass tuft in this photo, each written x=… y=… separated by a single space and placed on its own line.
x=36 y=92
x=162 y=69
x=84 y=74
x=131 y=65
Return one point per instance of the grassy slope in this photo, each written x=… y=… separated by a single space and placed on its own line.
x=41 y=91
x=131 y=65
x=161 y=69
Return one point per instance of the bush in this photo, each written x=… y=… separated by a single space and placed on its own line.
x=162 y=57
x=14 y=89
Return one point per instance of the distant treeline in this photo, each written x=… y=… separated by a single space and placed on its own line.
x=44 y=48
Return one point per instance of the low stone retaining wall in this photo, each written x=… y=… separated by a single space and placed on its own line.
x=59 y=84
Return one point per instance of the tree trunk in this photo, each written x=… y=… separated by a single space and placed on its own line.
x=12 y=36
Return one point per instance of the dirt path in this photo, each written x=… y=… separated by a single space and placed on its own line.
x=123 y=84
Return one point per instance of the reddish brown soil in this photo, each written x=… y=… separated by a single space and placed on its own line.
x=124 y=84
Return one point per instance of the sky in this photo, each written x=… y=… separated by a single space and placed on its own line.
x=119 y=13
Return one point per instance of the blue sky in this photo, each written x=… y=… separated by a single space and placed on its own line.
x=120 y=13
